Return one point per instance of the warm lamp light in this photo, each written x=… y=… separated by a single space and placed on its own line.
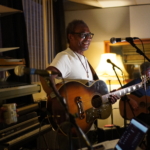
x=105 y=69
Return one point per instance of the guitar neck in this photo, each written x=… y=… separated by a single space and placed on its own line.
x=123 y=91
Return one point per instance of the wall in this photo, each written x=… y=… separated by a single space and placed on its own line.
x=140 y=21
x=112 y=22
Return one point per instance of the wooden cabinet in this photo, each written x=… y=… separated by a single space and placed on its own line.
x=17 y=90
x=4 y=11
x=9 y=63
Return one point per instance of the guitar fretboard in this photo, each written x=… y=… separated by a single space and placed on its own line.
x=123 y=91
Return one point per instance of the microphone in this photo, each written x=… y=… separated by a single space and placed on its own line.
x=128 y=39
x=109 y=61
x=21 y=70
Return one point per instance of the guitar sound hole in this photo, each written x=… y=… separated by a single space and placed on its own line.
x=96 y=101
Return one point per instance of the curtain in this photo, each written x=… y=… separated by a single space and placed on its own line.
x=45 y=31
x=33 y=12
x=59 y=26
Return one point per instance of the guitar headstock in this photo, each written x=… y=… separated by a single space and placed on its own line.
x=145 y=80
x=148 y=81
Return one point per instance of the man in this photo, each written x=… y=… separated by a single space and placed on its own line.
x=145 y=70
x=72 y=64
x=138 y=95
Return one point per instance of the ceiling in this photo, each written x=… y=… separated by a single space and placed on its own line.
x=86 y=4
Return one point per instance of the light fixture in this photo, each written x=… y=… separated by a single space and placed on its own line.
x=117 y=3
x=105 y=70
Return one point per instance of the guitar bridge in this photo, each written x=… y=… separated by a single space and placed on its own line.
x=80 y=108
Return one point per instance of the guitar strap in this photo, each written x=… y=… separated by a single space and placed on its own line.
x=95 y=76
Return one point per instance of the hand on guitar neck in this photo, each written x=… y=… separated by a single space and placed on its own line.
x=113 y=98
x=129 y=98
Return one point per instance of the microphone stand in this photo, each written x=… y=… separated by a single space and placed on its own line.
x=71 y=118
x=116 y=74
x=113 y=66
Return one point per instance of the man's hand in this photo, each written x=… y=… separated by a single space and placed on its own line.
x=113 y=98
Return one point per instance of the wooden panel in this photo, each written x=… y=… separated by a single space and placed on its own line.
x=12 y=62
x=107 y=44
x=131 y=58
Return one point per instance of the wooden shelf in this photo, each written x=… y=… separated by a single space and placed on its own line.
x=11 y=62
x=4 y=10
x=5 y=68
x=8 y=49
x=8 y=64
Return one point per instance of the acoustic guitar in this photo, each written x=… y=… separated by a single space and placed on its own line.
x=143 y=106
x=85 y=103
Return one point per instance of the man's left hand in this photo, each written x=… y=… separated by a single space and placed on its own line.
x=113 y=98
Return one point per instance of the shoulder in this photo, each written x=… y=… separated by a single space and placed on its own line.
x=63 y=59
x=66 y=53
x=134 y=81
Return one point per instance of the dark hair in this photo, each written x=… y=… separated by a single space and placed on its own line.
x=72 y=26
x=144 y=66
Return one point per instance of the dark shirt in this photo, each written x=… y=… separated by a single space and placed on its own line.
x=141 y=92
x=142 y=116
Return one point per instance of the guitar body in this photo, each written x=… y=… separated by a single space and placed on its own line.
x=79 y=99
x=85 y=103
x=143 y=103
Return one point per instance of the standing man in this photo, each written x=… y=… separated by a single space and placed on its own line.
x=73 y=65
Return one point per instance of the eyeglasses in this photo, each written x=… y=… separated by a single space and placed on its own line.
x=84 y=35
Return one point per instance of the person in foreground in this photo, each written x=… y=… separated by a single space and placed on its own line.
x=141 y=95
x=73 y=65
